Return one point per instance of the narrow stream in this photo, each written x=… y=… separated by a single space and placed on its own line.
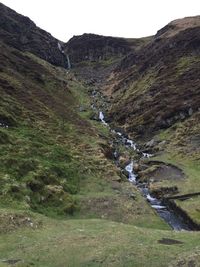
x=168 y=215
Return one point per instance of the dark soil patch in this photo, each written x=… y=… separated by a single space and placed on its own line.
x=168 y=241
x=166 y=172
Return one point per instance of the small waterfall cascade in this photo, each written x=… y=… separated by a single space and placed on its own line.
x=67 y=56
x=177 y=223
x=68 y=63
x=102 y=118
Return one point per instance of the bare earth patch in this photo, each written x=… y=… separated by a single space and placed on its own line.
x=166 y=172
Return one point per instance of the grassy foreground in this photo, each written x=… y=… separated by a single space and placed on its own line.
x=91 y=242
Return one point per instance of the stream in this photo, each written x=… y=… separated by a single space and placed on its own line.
x=168 y=215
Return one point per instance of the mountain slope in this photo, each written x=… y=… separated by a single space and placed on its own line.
x=54 y=159
x=20 y=32
x=155 y=96
x=163 y=73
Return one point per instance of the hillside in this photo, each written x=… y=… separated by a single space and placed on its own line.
x=22 y=33
x=65 y=199
x=154 y=96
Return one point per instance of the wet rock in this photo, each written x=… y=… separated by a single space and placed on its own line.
x=125 y=173
x=190 y=111
x=182 y=115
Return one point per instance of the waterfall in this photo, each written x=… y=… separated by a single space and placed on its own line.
x=68 y=60
x=129 y=169
x=68 y=63
x=168 y=215
x=101 y=117
x=60 y=47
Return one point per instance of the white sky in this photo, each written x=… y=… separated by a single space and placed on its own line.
x=123 y=18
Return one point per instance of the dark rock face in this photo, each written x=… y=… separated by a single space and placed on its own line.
x=21 y=33
x=91 y=47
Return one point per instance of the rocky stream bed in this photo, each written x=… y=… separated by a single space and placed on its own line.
x=165 y=208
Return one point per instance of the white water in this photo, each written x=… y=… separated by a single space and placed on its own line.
x=60 y=48
x=129 y=169
x=132 y=144
x=146 y=155
x=68 y=60
x=158 y=207
x=150 y=198
x=101 y=117
x=3 y=125
x=166 y=214
x=68 y=63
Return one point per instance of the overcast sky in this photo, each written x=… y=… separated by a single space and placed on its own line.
x=124 y=18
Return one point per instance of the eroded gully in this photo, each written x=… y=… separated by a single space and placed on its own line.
x=175 y=221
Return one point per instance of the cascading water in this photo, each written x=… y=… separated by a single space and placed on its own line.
x=68 y=63
x=166 y=214
x=101 y=117
x=68 y=60
x=129 y=169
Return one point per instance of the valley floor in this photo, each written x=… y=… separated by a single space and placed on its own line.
x=94 y=242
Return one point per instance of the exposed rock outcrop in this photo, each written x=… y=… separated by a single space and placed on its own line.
x=92 y=47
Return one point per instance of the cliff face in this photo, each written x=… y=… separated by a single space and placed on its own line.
x=21 y=33
x=91 y=47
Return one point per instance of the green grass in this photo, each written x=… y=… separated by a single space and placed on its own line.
x=92 y=243
x=182 y=152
